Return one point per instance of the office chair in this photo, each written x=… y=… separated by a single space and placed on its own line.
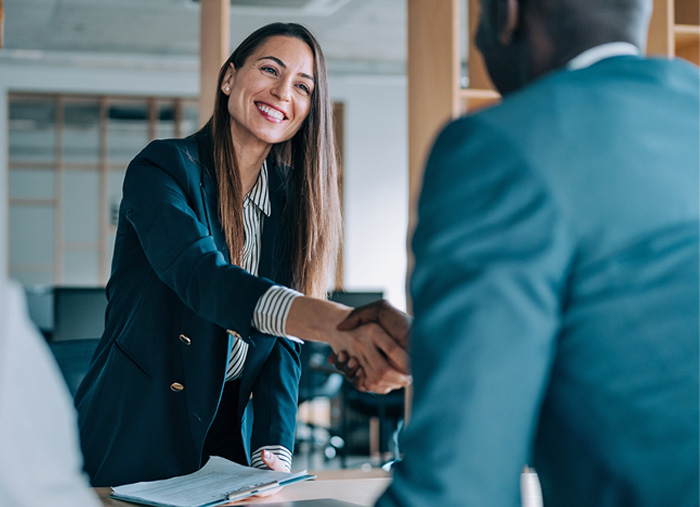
x=388 y=409
x=318 y=380
x=78 y=312
x=78 y=317
x=40 y=306
x=73 y=358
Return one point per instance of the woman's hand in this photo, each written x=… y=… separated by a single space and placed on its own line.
x=272 y=461
x=275 y=464
x=383 y=360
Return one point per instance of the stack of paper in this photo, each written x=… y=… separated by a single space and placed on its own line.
x=219 y=481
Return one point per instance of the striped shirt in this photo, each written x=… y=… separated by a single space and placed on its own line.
x=271 y=310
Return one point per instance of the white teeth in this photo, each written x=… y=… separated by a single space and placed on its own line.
x=272 y=112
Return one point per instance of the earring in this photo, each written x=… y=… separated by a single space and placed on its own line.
x=228 y=89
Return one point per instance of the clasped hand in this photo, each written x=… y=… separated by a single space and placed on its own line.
x=394 y=325
x=375 y=336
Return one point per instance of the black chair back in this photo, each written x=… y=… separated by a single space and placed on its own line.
x=79 y=312
x=73 y=358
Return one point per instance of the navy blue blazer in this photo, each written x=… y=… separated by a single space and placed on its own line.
x=172 y=295
x=556 y=300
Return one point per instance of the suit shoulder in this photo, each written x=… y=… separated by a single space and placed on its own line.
x=168 y=150
x=177 y=157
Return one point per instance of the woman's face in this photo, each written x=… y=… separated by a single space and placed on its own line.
x=270 y=95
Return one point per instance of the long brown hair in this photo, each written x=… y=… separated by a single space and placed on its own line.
x=314 y=213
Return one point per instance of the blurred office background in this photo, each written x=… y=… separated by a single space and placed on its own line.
x=85 y=84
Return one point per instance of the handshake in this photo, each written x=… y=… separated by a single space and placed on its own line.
x=369 y=343
x=375 y=357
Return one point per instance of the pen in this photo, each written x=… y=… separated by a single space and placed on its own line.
x=252 y=490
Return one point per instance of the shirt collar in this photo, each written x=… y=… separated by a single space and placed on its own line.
x=260 y=193
x=601 y=52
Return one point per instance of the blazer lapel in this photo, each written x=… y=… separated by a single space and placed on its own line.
x=274 y=256
x=209 y=193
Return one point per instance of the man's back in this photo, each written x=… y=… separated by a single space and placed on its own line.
x=556 y=296
x=619 y=423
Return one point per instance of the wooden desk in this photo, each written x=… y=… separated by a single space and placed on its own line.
x=350 y=485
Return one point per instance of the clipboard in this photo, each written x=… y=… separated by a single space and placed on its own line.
x=220 y=481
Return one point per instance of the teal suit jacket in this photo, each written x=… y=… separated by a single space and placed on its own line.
x=556 y=296
x=171 y=276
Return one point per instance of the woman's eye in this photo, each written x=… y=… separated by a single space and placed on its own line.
x=304 y=88
x=269 y=70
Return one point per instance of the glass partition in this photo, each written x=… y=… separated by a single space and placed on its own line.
x=67 y=159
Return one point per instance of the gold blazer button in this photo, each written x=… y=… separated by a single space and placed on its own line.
x=185 y=339
x=177 y=387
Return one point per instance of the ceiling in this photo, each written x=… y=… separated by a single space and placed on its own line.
x=364 y=35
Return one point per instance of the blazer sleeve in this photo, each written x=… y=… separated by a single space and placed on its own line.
x=490 y=260
x=161 y=191
x=275 y=397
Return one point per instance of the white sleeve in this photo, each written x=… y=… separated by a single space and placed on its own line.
x=40 y=461
x=271 y=311
x=283 y=454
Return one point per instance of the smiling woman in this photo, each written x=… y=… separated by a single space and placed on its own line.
x=219 y=237
x=266 y=99
x=269 y=96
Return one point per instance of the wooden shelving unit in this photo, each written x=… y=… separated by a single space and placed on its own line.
x=675 y=29
x=687 y=42
x=435 y=78
x=686 y=30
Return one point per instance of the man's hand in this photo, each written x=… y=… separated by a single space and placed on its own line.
x=394 y=322
x=384 y=364
x=383 y=358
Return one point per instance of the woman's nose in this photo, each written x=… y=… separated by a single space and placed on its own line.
x=282 y=90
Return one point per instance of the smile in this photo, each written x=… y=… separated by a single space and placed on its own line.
x=270 y=111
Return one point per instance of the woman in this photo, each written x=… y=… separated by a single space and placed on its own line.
x=212 y=230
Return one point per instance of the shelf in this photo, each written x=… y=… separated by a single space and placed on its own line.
x=473 y=99
x=687 y=42
x=687 y=29
x=473 y=93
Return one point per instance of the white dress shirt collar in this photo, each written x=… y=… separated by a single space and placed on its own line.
x=260 y=194
x=601 y=52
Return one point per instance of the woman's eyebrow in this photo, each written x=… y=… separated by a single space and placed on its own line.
x=284 y=65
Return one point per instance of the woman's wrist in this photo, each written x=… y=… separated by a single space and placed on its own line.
x=315 y=320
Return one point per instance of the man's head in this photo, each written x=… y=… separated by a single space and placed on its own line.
x=523 y=39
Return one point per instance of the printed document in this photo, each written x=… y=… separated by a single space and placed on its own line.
x=219 y=481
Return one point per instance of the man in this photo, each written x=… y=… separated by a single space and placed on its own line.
x=556 y=279
x=40 y=460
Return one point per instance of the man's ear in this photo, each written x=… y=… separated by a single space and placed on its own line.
x=508 y=17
